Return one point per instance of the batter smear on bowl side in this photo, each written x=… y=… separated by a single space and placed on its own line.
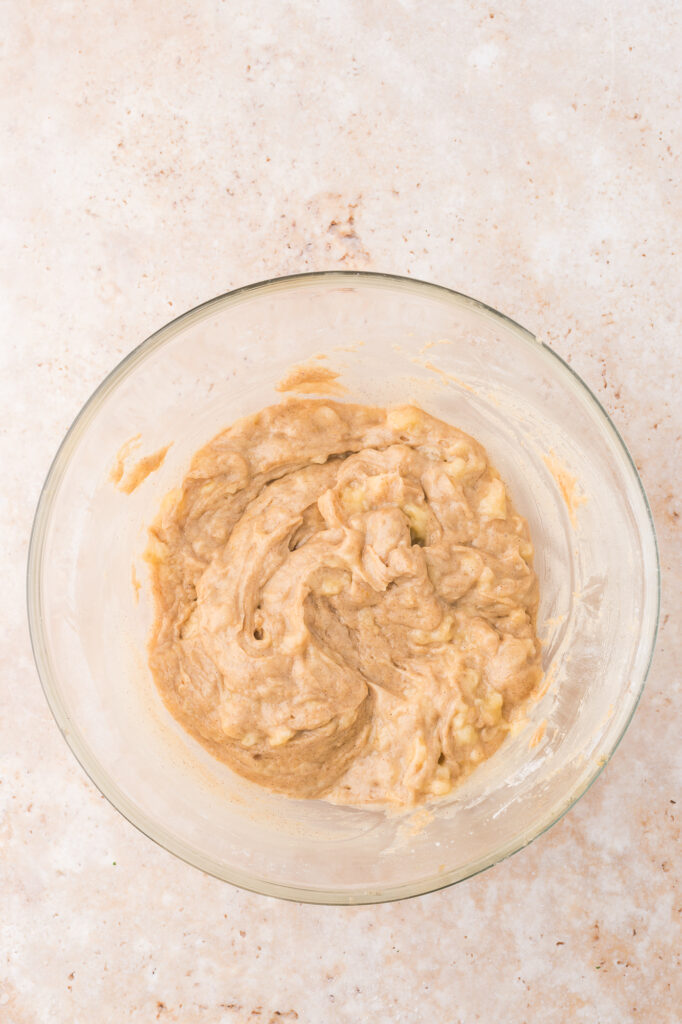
x=345 y=603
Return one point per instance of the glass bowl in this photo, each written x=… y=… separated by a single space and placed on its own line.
x=391 y=339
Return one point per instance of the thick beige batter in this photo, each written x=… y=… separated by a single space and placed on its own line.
x=345 y=602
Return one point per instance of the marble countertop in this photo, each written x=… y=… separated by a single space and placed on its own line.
x=154 y=155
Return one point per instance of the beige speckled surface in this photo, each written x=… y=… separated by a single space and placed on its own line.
x=154 y=155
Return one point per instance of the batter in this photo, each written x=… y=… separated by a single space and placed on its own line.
x=345 y=603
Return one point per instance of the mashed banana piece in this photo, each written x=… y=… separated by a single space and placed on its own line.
x=345 y=603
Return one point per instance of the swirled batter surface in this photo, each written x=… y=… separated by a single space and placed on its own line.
x=345 y=602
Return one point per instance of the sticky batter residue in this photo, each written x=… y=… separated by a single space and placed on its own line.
x=536 y=738
x=128 y=480
x=135 y=582
x=309 y=379
x=417 y=822
x=568 y=485
x=122 y=455
x=447 y=378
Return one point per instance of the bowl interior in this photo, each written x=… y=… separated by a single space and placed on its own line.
x=391 y=340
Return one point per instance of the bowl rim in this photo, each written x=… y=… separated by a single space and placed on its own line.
x=77 y=744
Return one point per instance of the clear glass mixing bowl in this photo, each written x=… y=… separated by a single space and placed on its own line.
x=392 y=339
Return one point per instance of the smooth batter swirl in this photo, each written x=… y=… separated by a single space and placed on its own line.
x=345 y=602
